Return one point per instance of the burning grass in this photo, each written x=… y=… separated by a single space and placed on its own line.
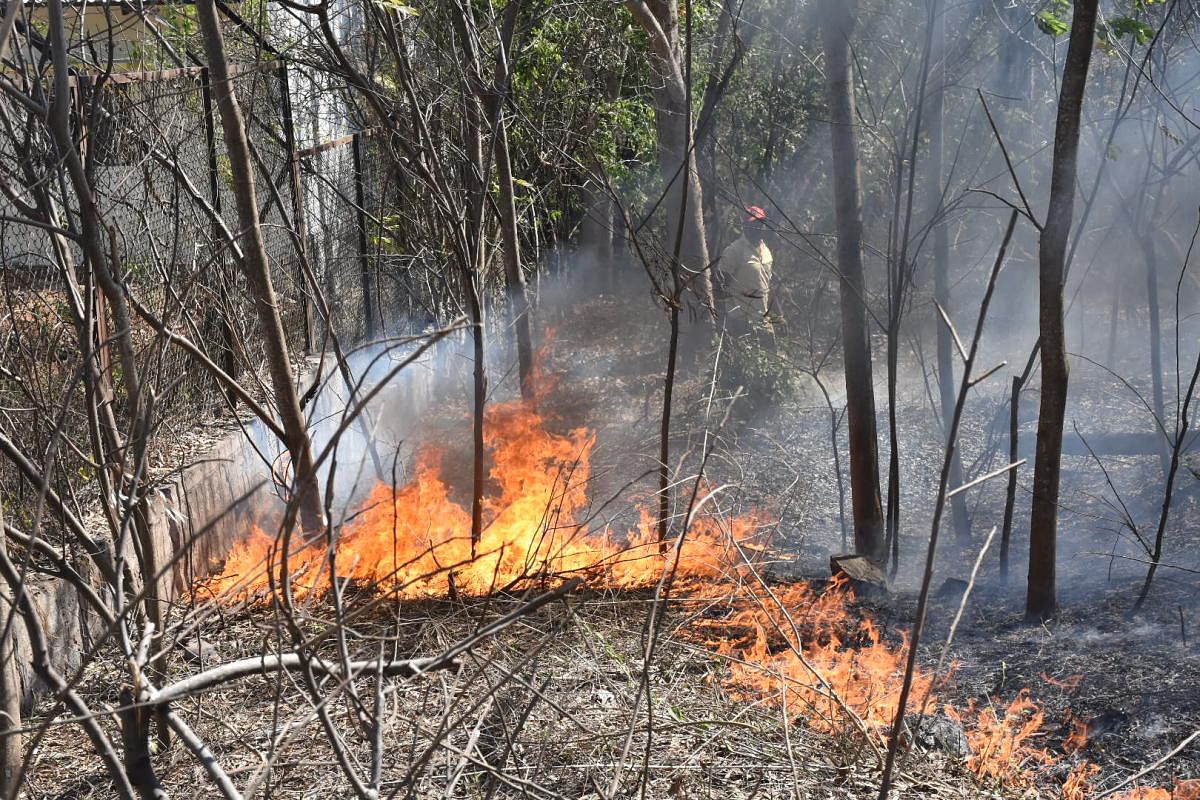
x=808 y=651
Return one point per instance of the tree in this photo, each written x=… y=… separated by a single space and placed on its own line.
x=677 y=158
x=12 y=743
x=1040 y=601
x=492 y=97
x=258 y=275
x=840 y=19
x=941 y=253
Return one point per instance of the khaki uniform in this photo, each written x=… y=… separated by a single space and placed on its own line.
x=746 y=269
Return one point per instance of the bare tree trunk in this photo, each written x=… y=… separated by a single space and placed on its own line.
x=1156 y=365
x=1182 y=426
x=1040 y=600
x=518 y=298
x=677 y=159
x=258 y=276
x=941 y=257
x=840 y=19
x=101 y=257
x=12 y=743
x=475 y=173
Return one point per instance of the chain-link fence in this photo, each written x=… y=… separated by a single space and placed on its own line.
x=158 y=174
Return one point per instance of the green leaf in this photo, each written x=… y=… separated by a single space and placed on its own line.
x=1051 y=23
x=1141 y=32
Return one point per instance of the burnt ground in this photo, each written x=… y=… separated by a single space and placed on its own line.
x=569 y=678
x=1140 y=673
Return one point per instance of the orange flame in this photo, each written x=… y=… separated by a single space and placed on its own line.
x=1077 y=739
x=828 y=661
x=1078 y=785
x=1182 y=790
x=415 y=541
x=1070 y=683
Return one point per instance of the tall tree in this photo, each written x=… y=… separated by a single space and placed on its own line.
x=493 y=97
x=677 y=158
x=941 y=250
x=1040 y=601
x=840 y=18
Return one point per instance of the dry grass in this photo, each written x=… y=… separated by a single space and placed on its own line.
x=543 y=710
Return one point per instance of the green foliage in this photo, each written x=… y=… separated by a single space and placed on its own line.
x=1052 y=21
x=757 y=367
x=1119 y=27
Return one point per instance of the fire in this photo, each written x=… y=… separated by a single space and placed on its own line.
x=1000 y=740
x=1182 y=790
x=807 y=649
x=1070 y=683
x=415 y=541
x=830 y=661
x=1077 y=739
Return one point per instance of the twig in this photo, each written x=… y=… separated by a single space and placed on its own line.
x=987 y=477
x=939 y=508
x=407 y=668
x=1144 y=770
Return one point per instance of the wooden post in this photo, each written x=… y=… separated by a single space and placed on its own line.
x=361 y=223
x=217 y=316
x=298 y=216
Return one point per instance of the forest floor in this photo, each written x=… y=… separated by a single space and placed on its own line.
x=558 y=702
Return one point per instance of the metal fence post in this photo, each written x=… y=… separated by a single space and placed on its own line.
x=229 y=360
x=363 y=255
x=298 y=216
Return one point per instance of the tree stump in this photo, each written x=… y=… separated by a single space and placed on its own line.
x=865 y=576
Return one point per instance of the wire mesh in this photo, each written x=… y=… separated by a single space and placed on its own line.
x=157 y=169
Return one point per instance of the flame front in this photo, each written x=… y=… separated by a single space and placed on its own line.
x=415 y=541
x=805 y=649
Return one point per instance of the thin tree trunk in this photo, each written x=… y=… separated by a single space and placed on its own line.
x=102 y=258
x=12 y=743
x=840 y=19
x=1040 y=601
x=258 y=276
x=1010 y=492
x=475 y=172
x=1155 y=333
x=1182 y=427
x=518 y=298
x=941 y=258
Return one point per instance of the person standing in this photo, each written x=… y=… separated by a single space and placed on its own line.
x=744 y=272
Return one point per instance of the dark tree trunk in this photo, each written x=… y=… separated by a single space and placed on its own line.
x=518 y=298
x=860 y=391
x=1040 y=601
x=12 y=743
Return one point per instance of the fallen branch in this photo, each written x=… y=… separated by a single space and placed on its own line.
x=1144 y=770
x=406 y=668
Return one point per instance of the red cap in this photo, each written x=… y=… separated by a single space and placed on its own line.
x=755 y=214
